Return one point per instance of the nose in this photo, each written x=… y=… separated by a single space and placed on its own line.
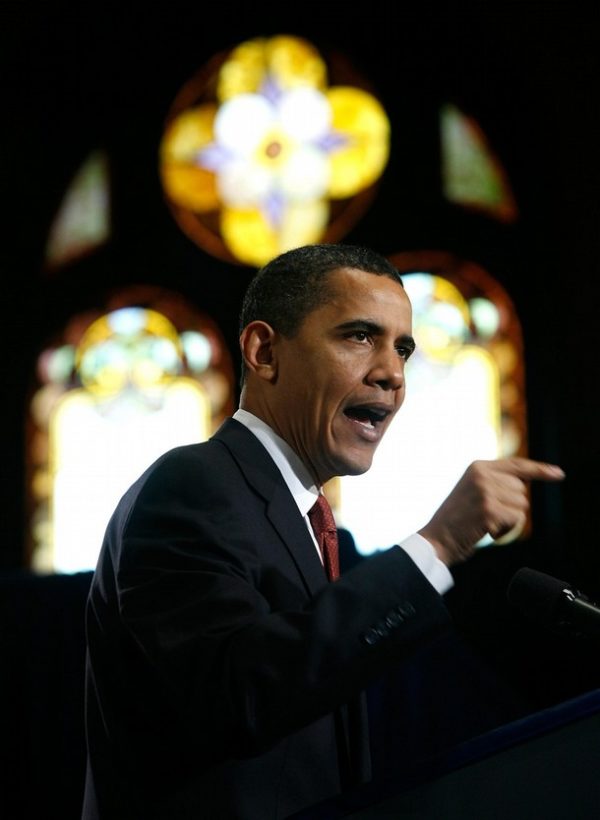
x=387 y=370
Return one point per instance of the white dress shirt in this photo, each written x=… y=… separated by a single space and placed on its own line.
x=305 y=492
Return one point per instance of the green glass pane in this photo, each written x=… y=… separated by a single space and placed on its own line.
x=472 y=175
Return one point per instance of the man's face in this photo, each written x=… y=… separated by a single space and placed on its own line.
x=340 y=379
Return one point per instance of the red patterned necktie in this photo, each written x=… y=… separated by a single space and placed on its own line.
x=323 y=524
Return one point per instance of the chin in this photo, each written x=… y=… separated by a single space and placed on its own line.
x=353 y=467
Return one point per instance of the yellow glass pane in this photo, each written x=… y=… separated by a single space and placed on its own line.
x=303 y=224
x=362 y=120
x=253 y=240
x=292 y=62
x=185 y=182
x=188 y=132
x=295 y=62
x=249 y=235
x=191 y=187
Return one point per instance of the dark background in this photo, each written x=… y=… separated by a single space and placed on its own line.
x=96 y=76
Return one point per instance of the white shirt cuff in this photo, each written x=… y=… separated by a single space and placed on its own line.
x=422 y=553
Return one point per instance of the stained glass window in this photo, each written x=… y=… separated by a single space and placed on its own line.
x=119 y=388
x=83 y=219
x=267 y=149
x=464 y=401
x=472 y=174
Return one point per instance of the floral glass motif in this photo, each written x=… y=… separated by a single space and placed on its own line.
x=262 y=154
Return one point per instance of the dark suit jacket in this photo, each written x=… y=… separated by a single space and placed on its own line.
x=220 y=659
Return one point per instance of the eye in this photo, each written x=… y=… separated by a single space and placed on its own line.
x=359 y=335
x=404 y=352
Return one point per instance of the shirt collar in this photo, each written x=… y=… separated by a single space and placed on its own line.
x=294 y=472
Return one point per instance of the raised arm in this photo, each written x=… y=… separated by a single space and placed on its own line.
x=491 y=497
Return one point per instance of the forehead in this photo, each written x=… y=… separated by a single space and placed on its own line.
x=349 y=289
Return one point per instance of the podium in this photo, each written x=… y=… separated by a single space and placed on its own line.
x=546 y=765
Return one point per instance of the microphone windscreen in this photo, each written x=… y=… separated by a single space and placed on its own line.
x=537 y=594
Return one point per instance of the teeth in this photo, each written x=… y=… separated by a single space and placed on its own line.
x=366 y=422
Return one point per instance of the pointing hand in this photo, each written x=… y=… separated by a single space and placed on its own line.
x=491 y=497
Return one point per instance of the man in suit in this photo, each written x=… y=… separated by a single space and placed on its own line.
x=225 y=669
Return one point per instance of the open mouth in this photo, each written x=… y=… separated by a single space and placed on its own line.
x=367 y=416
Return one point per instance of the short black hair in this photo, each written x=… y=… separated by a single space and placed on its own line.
x=291 y=285
x=285 y=290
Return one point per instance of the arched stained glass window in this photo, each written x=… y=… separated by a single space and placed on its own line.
x=83 y=219
x=118 y=388
x=472 y=174
x=271 y=146
x=464 y=401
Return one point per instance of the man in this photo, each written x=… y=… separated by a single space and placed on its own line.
x=224 y=669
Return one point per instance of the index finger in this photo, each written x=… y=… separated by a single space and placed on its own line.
x=528 y=469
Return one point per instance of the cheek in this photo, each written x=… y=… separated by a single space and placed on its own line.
x=335 y=392
x=323 y=385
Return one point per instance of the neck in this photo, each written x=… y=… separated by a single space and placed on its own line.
x=263 y=411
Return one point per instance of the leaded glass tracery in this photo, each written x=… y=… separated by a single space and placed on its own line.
x=117 y=389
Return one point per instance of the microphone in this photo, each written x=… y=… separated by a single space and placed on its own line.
x=553 y=602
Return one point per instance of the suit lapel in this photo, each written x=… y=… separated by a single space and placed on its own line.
x=263 y=475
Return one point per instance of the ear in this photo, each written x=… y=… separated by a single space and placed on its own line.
x=257 y=343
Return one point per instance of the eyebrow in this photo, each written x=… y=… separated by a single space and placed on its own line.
x=372 y=327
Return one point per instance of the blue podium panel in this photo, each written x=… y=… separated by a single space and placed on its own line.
x=546 y=766
x=554 y=777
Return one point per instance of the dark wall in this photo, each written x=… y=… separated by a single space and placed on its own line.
x=75 y=80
